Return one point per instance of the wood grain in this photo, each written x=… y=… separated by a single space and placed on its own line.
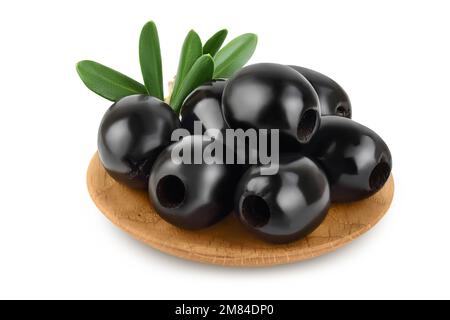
x=228 y=243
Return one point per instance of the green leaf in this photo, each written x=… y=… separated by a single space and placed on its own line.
x=201 y=72
x=234 y=55
x=191 y=51
x=150 y=59
x=106 y=82
x=214 y=43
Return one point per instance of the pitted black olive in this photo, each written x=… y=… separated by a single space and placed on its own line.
x=131 y=135
x=204 y=105
x=272 y=96
x=356 y=160
x=333 y=99
x=286 y=206
x=192 y=196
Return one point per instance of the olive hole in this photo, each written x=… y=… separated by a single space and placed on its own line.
x=255 y=211
x=307 y=125
x=342 y=111
x=379 y=175
x=170 y=191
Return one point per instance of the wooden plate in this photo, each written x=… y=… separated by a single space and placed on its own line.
x=228 y=243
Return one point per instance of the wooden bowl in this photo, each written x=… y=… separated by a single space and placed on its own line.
x=228 y=243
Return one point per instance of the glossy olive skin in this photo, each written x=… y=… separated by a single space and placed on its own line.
x=287 y=206
x=204 y=104
x=192 y=196
x=272 y=96
x=333 y=99
x=356 y=160
x=132 y=133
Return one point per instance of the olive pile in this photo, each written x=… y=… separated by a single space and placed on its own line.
x=324 y=155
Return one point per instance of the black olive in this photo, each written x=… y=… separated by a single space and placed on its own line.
x=192 y=196
x=333 y=99
x=272 y=96
x=131 y=135
x=204 y=104
x=356 y=160
x=286 y=206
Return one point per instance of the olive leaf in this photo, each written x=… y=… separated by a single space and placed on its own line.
x=214 y=43
x=150 y=60
x=201 y=72
x=106 y=82
x=190 y=52
x=234 y=55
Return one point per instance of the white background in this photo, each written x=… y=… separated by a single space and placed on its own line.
x=392 y=57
